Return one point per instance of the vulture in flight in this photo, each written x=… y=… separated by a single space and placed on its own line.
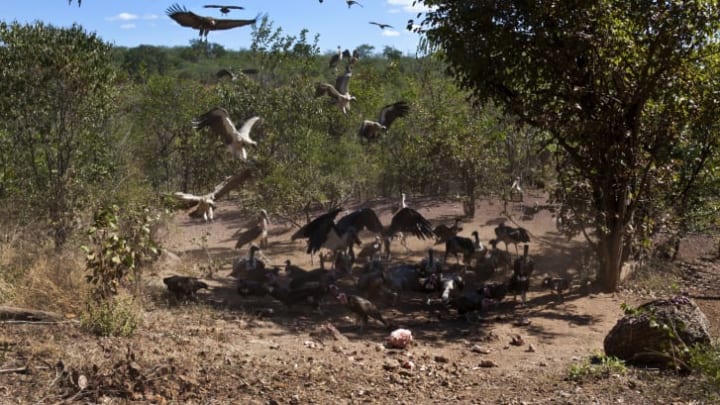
x=382 y=26
x=339 y=92
x=218 y=120
x=187 y=18
x=224 y=9
x=351 y=2
x=205 y=204
x=371 y=130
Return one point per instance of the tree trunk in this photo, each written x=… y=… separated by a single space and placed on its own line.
x=610 y=255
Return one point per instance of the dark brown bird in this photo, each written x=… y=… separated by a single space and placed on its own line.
x=184 y=288
x=224 y=9
x=508 y=234
x=363 y=308
x=372 y=130
x=556 y=284
x=187 y=18
x=382 y=26
x=444 y=232
x=519 y=282
x=350 y=3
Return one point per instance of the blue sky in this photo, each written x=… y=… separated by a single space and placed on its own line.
x=134 y=22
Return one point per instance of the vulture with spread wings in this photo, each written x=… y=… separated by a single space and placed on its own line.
x=218 y=120
x=187 y=18
x=323 y=232
x=224 y=9
x=205 y=204
x=371 y=130
x=339 y=91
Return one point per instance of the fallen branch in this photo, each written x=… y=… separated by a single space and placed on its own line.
x=21 y=370
x=28 y=315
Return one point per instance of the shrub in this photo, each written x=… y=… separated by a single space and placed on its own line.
x=118 y=316
x=705 y=359
x=596 y=366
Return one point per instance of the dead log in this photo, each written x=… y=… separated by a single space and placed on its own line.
x=28 y=315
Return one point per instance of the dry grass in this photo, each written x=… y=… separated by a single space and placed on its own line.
x=36 y=276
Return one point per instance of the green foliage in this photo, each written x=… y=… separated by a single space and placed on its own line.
x=118 y=316
x=117 y=251
x=598 y=366
x=621 y=87
x=58 y=97
x=705 y=359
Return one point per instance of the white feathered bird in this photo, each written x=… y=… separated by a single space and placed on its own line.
x=206 y=203
x=219 y=122
x=339 y=91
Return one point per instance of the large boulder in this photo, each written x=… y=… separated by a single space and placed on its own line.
x=656 y=333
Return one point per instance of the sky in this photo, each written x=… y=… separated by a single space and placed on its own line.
x=144 y=22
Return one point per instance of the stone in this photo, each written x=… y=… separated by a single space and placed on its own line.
x=655 y=333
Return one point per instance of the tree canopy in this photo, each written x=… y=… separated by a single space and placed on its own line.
x=621 y=87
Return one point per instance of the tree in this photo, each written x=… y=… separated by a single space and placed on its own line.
x=58 y=97
x=619 y=86
x=392 y=53
x=364 y=50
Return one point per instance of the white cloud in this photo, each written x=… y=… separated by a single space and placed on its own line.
x=150 y=17
x=390 y=33
x=408 y=7
x=127 y=26
x=122 y=17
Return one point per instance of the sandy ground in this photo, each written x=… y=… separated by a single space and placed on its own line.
x=256 y=350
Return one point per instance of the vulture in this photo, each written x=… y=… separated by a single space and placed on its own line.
x=382 y=26
x=206 y=203
x=372 y=130
x=204 y=24
x=363 y=308
x=184 y=288
x=223 y=73
x=224 y=9
x=519 y=282
x=350 y=3
x=256 y=233
x=508 y=234
x=336 y=58
x=339 y=91
x=324 y=232
x=444 y=232
x=218 y=120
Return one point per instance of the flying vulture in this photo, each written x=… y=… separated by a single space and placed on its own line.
x=219 y=122
x=351 y=2
x=382 y=26
x=206 y=203
x=186 y=18
x=339 y=92
x=224 y=9
x=371 y=130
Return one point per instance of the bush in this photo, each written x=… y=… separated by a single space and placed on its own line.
x=118 y=316
x=705 y=359
x=596 y=366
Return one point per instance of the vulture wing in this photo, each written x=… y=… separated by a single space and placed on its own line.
x=189 y=197
x=218 y=120
x=341 y=82
x=248 y=236
x=230 y=183
x=320 y=224
x=391 y=112
x=244 y=134
x=346 y=54
x=360 y=219
x=186 y=18
x=221 y=24
x=407 y=220
x=326 y=88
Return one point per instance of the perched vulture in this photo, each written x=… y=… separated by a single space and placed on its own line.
x=372 y=130
x=184 y=287
x=218 y=120
x=224 y=9
x=206 y=203
x=186 y=18
x=256 y=233
x=336 y=58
